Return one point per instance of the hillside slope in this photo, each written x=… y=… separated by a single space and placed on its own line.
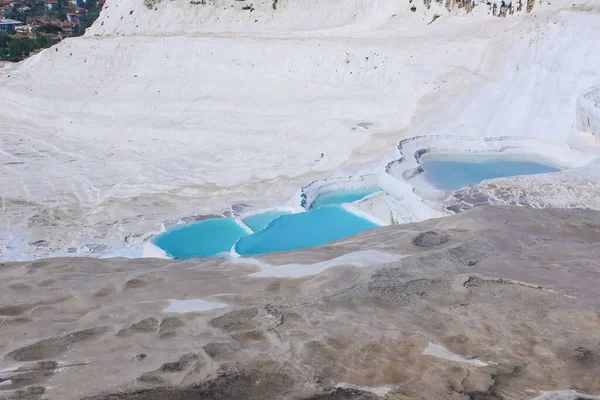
x=505 y=307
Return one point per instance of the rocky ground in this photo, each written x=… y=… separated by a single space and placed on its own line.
x=493 y=303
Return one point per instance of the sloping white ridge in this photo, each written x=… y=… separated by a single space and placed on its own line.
x=179 y=109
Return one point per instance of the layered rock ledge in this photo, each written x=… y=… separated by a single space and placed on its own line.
x=588 y=111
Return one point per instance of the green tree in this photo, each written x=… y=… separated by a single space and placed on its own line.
x=4 y=39
x=49 y=28
x=40 y=42
x=18 y=49
x=91 y=4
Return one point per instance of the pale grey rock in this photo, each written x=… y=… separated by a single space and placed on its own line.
x=510 y=295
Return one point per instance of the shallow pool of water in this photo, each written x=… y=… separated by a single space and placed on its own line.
x=203 y=239
x=449 y=175
x=307 y=229
x=342 y=196
x=259 y=222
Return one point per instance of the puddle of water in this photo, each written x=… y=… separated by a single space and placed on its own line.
x=342 y=196
x=192 y=305
x=203 y=239
x=307 y=229
x=450 y=175
x=359 y=259
x=259 y=222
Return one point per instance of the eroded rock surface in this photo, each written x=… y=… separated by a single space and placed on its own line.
x=492 y=303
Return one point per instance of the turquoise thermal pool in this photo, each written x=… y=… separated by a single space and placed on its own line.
x=307 y=229
x=271 y=231
x=449 y=175
x=342 y=196
x=202 y=239
x=259 y=222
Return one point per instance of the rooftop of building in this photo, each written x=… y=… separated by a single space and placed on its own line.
x=9 y=21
